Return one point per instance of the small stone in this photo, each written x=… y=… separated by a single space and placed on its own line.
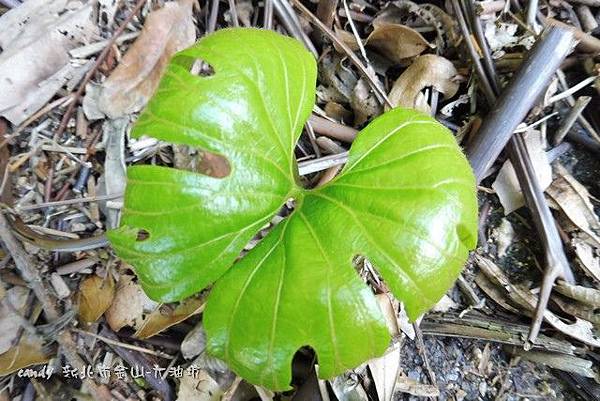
x=483 y=388
x=194 y=342
x=78 y=227
x=452 y=377
x=414 y=375
x=61 y=288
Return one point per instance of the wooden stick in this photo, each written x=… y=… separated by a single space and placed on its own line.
x=550 y=51
x=518 y=98
x=591 y=3
x=290 y=21
x=575 y=112
x=588 y=21
x=331 y=129
x=587 y=42
x=10 y=3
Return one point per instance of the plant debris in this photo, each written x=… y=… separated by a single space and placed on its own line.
x=73 y=76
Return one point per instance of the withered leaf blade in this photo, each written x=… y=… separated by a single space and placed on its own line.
x=159 y=321
x=585 y=295
x=166 y=31
x=34 y=62
x=129 y=304
x=95 y=297
x=581 y=330
x=28 y=352
x=426 y=71
x=586 y=257
x=385 y=372
x=345 y=37
x=413 y=387
x=573 y=200
x=397 y=42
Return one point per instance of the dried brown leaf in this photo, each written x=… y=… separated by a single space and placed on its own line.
x=573 y=199
x=159 y=320
x=426 y=71
x=581 y=330
x=166 y=31
x=494 y=293
x=34 y=63
x=585 y=295
x=397 y=42
x=28 y=352
x=200 y=388
x=567 y=363
x=364 y=103
x=410 y=386
x=385 y=372
x=95 y=297
x=345 y=37
x=586 y=257
x=128 y=306
x=347 y=387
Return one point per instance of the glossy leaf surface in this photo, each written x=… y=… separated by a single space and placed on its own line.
x=251 y=111
x=405 y=199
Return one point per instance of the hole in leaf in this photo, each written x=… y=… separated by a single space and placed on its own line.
x=369 y=274
x=196 y=66
x=213 y=165
x=142 y=235
x=202 y=69
x=201 y=161
x=303 y=364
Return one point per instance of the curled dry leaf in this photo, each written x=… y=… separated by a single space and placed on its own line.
x=426 y=71
x=347 y=387
x=345 y=37
x=397 y=42
x=385 y=372
x=573 y=199
x=585 y=295
x=29 y=351
x=159 y=321
x=128 y=306
x=364 y=103
x=34 y=63
x=581 y=330
x=586 y=257
x=413 y=387
x=166 y=31
x=567 y=363
x=95 y=297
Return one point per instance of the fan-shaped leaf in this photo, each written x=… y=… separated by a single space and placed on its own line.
x=406 y=200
